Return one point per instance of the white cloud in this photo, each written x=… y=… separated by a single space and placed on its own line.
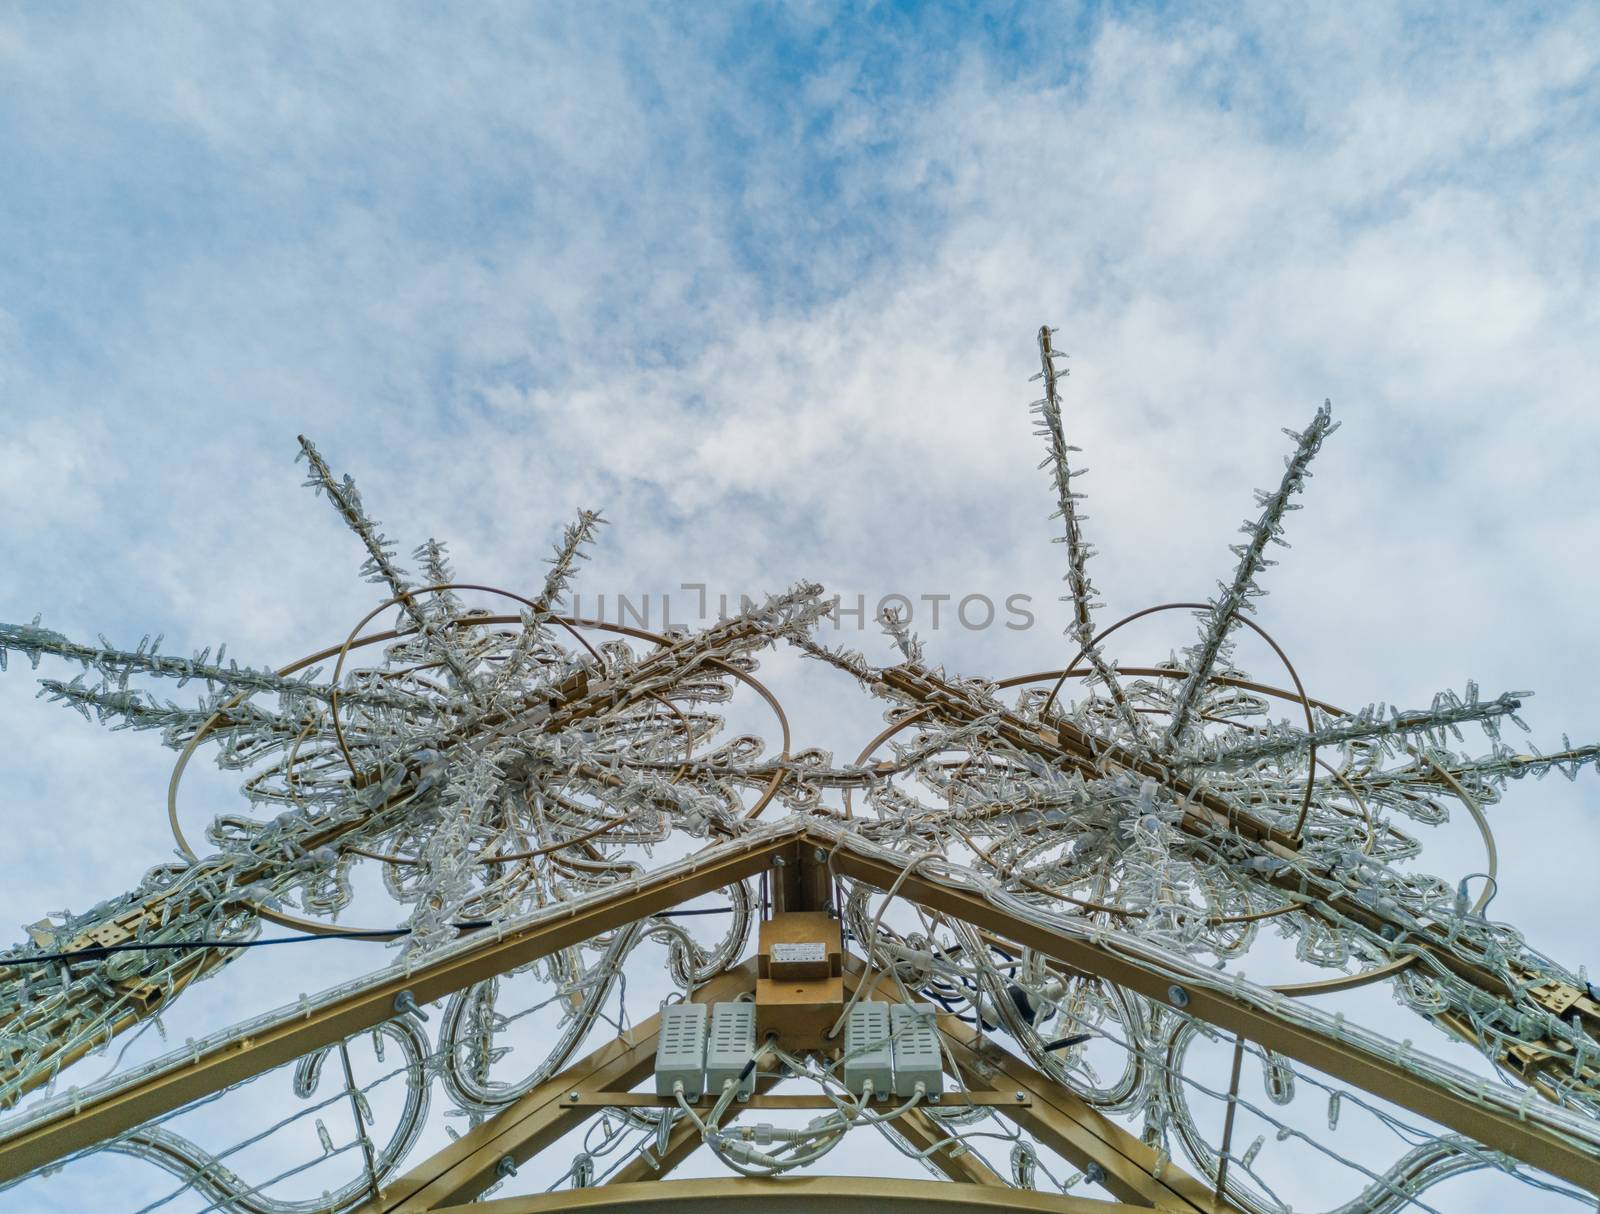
x=499 y=272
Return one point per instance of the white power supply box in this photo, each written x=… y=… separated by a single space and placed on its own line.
x=732 y=1045
x=866 y=1050
x=681 y=1049
x=916 y=1048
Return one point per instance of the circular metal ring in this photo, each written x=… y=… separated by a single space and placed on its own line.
x=354 y=641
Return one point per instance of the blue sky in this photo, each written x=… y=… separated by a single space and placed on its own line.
x=762 y=282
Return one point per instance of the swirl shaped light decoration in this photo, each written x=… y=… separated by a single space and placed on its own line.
x=1070 y=865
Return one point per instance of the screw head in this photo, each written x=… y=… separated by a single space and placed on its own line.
x=1177 y=996
x=572 y=1097
x=1020 y=1097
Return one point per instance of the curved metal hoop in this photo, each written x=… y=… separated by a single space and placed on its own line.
x=354 y=641
x=1298 y=695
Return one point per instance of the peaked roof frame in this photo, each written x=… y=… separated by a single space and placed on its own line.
x=804 y=854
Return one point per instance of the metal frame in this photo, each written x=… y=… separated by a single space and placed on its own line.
x=1062 y=1120
x=1344 y=1059
x=1541 y=1030
x=1051 y=1112
x=523 y=1128
x=98 y=1116
x=765 y=1099
x=794 y=1195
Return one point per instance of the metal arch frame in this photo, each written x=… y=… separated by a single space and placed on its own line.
x=802 y=845
x=795 y=1195
x=101 y=1004
x=1052 y=1114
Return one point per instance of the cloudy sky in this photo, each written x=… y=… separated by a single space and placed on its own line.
x=762 y=283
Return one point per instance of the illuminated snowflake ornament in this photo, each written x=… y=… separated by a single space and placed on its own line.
x=479 y=762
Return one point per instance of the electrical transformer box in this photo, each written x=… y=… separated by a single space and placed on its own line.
x=916 y=1048
x=731 y=1046
x=681 y=1049
x=866 y=1050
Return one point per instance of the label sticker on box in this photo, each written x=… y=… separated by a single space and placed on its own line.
x=805 y=950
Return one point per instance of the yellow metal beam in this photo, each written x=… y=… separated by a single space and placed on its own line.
x=915 y=1127
x=922 y=1132
x=1527 y=1140
x=795 y=1195
x=517 y=1132
x=764 y=1099
x=98 y=1117
x=683 y=1140
x=1057 y=1116
x=1063 y=1121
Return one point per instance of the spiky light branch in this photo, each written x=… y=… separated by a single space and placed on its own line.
x=898 y=631
x=1220 y=621
x=1081 y=590
x=1399 y=729
x=379 y=566
x=575 y=538
x=220 y=673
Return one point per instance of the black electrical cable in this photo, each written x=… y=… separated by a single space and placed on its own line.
x=100 y=951
x=961 y=1016
x=706 y=910
x=1020 y=1001
x=1062 y=1043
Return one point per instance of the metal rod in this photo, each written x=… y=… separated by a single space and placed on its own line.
x=1227 y=1121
